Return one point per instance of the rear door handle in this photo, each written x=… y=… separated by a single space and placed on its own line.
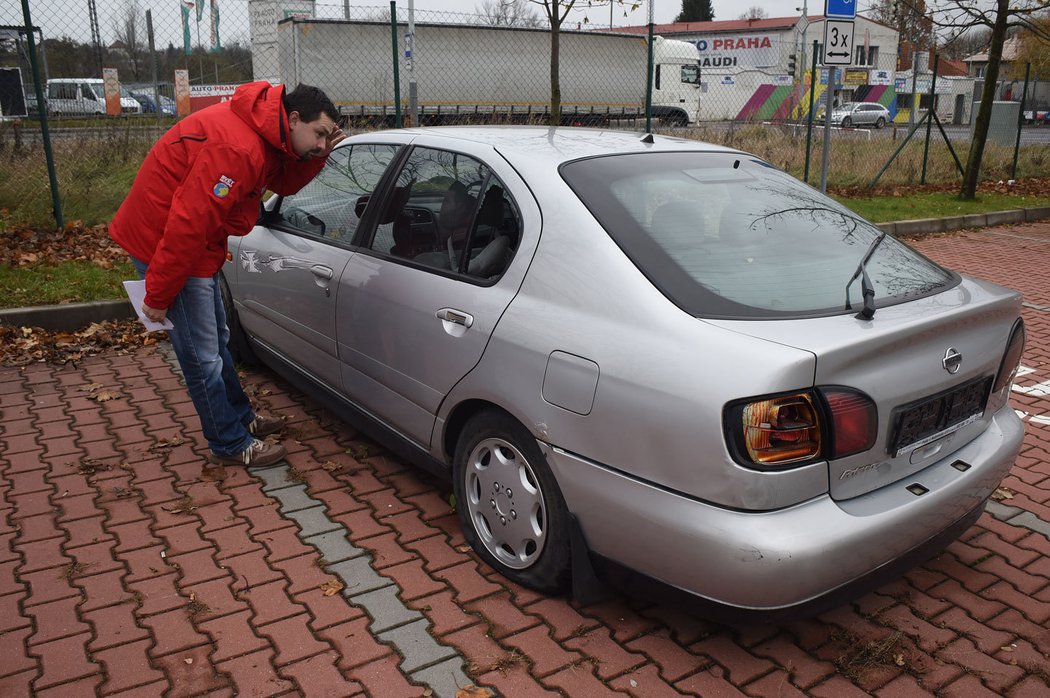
x=456 y=317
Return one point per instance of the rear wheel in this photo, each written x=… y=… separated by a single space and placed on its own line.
x=509 y=503
x=880 y=122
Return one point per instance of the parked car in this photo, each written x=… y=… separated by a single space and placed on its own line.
x=85 y=96
x=645 y=357
x=149 y=104
x=853 y=114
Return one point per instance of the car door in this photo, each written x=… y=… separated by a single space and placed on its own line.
x=868 y=113
x=418 y=303
x=289 y=266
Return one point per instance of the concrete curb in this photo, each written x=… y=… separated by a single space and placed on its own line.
x=931 y=226
x=72 y=316
x=67 y=317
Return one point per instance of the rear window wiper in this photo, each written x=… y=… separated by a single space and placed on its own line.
x=866 y=289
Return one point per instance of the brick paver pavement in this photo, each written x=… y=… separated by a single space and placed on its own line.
x=344 y=572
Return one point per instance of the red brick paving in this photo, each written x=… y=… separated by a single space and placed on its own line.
x=123 y=574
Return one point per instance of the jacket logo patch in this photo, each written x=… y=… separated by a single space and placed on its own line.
x=222 y=187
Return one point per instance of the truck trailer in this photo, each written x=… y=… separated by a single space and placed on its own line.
x=489 y=74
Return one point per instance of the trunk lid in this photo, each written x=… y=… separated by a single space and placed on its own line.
x=898 y=359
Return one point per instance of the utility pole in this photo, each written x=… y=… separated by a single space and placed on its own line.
x=96 y=35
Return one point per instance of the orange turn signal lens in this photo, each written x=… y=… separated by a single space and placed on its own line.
x=781 y=430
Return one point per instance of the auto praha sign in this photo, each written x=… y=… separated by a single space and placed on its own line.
x=738 y=50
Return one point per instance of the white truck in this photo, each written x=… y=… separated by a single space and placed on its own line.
x=489 y=74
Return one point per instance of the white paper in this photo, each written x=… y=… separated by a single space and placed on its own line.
x=137 y=294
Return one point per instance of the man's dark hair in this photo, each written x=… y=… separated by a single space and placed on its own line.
x=310 y=102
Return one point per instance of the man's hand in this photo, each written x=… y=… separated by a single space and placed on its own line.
x=154 y=314
x=334 y=138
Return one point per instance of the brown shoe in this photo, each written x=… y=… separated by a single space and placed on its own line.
x=258 y=454
x=264 y=426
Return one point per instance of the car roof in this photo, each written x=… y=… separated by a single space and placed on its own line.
x=561 y=144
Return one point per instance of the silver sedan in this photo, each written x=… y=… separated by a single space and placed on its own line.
x=639 y=359
x=862 y=114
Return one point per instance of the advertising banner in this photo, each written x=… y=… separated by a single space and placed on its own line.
x=111 y=86
x=738 y=51
x=206 y=95
x=182 y=92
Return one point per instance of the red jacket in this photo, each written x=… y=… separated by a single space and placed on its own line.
x=202 y=182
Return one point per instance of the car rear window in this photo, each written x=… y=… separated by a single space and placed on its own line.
x=726 y=235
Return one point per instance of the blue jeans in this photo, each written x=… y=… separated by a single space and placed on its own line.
x=200 y=340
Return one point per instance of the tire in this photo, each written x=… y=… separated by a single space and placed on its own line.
x=846 y=122
x=240 y=349
x=880 y=122
x=509 y=504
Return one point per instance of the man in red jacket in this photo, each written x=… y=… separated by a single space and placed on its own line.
x=201 y=183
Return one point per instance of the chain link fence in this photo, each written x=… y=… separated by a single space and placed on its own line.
x=755 y=90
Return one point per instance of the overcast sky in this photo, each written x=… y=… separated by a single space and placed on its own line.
x=70 y=17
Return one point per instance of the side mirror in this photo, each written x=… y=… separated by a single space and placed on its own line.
x=361 y=204
x=267 y=217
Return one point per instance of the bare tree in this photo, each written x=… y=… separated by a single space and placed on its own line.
x=967 y=43
x=911 y=20
x=1034 y=49
x=509 y=13
x=754 y=12
x=128 y=27
x=954 y=17
x=556 y=12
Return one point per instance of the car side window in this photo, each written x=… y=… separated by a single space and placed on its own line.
x=62 y=90
x=332 y=203
x=450 y=212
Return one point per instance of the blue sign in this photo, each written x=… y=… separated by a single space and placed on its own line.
x=840 y=8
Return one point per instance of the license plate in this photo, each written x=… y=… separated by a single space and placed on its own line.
x=927 y=420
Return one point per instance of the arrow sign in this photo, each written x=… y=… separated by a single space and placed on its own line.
x=846 y=9
x=838 y=41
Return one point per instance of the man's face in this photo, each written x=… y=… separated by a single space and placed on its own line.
x=309 y=138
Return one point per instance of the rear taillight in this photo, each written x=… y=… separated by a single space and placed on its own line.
x=854 y=421
x=1011 y=359
x=788 y=431
x=779 y=431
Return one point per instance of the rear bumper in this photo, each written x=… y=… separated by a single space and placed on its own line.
x=773 y=563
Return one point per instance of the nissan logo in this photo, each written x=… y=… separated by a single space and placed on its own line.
x=952 y=360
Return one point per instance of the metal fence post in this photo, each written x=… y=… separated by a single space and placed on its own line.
x=153 y=62
x=649 y=78
x=830 y=106
x=929 y=118
x=397 y=73
x=56 y=203
x=809 y=119
x=1020 y=120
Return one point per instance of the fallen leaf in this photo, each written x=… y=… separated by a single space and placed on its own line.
x=332 y=587
x=168 y=443
x=1002 y=493
x=330 y=466
x=472 y=691
x=105 y=396
x=898 y=659
x=188 y=660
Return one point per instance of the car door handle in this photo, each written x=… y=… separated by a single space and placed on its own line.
x=456 y=317
x=322 y=272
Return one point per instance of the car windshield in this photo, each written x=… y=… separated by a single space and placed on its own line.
x=725 y=235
